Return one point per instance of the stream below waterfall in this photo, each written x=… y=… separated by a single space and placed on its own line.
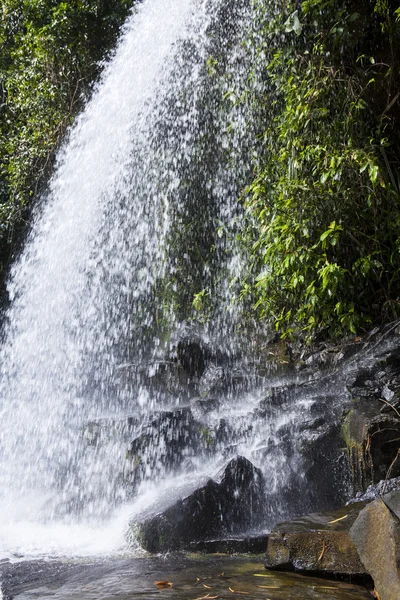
x=191 y=579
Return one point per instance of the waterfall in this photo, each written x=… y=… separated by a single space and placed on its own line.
x=141 y=215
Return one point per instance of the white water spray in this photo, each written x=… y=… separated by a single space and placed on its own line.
x=92 y=261
x=141 y=214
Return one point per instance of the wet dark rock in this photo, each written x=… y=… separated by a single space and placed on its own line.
x=218 y=380
x=213 y=381
x=168 y=377
x=322 y=358
x=214 y=510
x=348 y=350
x=376 y=535
x=325 y=467
x=372 y=440
x=225 y=433
x=375 y=491
x=380 y=378
x=318 y=543
x=96 y=433
x=203 y=407
x=275 y=358
x=165 y=441
x=275 y=399
x=192 y=356
x=159 y=377
x=309 y=444
x=371 y=426
x=240 y=545
x=316 y=424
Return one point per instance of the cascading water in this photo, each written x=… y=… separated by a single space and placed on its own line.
x=140 y=216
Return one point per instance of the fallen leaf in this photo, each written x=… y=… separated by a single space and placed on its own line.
x=263 y=575
x=237 y=591
x=322 y=551
x=207 y=586
x=163 y=584
x=337 y=520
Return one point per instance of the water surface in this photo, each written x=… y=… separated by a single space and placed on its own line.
x=191 y=578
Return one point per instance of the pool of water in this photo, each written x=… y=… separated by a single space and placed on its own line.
x=174 y=577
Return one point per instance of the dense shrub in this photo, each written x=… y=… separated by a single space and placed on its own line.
x=323 y=208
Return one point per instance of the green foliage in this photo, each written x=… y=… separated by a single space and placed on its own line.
x=324 y=202
x=198 y=299
x=49 y=57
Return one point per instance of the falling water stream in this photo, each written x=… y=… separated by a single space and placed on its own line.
x=100 y=294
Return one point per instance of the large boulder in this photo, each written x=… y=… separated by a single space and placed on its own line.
x=318 y=543
x=217 y=509
x=376 y=535
x=361 y=539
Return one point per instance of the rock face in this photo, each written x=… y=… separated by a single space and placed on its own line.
x=165 y=441
x=214 y=510
x=294 y=429
x=376 y=535
x=371 y=427
x=372 y=439
x=318 y=543
x=302 y=434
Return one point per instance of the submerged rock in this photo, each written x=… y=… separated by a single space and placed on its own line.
x=215 y=510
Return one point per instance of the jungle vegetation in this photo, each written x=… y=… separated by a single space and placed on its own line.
x=323 y=230
x=322 y=227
